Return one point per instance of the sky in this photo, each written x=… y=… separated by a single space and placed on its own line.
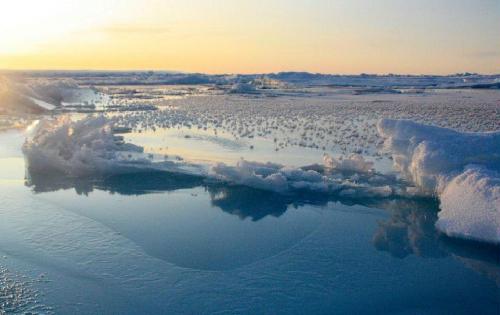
x=253 y=36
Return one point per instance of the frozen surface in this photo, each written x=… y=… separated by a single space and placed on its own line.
x=294 y=207
x=428 y=156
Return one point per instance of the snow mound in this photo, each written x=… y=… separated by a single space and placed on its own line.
x=80 y=148
x=460 y=168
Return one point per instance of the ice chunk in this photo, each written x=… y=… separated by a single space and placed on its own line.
x=80 y=148
x=439 y=161
x=273 y=177
x=428 y=155
x=286 y=179
x=353 y=163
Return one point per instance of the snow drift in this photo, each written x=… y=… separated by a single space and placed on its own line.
x=460 y=168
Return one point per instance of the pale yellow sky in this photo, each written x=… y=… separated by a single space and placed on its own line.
x=240 y=36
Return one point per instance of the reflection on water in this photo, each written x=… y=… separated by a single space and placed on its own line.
x=127 y=184
x=245 y=202
x=408 y=231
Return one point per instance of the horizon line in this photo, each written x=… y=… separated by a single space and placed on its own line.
x=248 y=74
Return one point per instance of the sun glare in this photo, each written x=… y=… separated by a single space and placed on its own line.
x=27 y=26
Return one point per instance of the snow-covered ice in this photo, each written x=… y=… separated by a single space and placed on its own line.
x=460 y=168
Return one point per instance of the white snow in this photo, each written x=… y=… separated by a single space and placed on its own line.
x=460 y=168
x=470 y=206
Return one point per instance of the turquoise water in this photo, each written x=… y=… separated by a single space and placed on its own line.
x=157 y=243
